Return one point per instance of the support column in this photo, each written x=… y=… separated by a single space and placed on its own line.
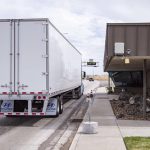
x=144 y=87
x=108 y=81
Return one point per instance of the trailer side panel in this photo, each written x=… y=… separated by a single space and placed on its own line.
x=64 y=61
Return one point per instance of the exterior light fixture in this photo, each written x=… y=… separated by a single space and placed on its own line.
x=126 y=54
x=128 y=51
x=126 y=60
x=121 y=51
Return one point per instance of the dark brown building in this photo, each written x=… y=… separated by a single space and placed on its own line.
x=127 y=55
x=136 y=38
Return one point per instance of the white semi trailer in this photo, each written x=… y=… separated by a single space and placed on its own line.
x=38 y=67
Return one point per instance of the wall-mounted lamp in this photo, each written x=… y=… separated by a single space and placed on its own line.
x=126 y=60
x=127 y=53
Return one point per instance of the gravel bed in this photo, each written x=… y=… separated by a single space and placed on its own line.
x=124 y=110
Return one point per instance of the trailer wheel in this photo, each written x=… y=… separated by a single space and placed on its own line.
x=78 y=92
x=60 y=104
x=57 y=109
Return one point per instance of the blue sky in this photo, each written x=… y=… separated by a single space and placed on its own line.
x=84 y=21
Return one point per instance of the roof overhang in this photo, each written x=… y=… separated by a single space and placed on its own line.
x=117 y=63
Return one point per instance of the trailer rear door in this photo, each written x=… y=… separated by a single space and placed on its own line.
x=31 y=56
x=6 y=56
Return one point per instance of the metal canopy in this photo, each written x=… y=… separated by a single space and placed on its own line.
x=135 y=36
x=136 y=63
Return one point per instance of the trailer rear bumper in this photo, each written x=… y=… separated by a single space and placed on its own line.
x=17 y=97
x=24 y=97
x=28 y=107
x=22 y=114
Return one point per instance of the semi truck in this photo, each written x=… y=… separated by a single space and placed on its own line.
x=38 y=67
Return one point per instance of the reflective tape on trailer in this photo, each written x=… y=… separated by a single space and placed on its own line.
x=32 y=93
x=24 y=93
x=4 y=93
x=22 y=114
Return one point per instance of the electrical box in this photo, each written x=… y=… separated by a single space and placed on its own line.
x=119 y=48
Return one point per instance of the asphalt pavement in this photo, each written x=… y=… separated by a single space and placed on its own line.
x=28 y=133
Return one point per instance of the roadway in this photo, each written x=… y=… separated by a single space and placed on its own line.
x=22 y=133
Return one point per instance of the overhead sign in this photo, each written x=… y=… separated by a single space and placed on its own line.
x=91 y=63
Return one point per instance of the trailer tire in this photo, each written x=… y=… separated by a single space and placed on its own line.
x=78 y=93
x=57 y=109
x=61 y=105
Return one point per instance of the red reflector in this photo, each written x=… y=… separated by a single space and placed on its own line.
x=41 y=113
x=1 y=113
x=9 y=113
x=24 y=93
x=18 y=113
x=4 y=93
x=39 y=97
x=26 y=113
x=31 y=92
x=44 y=97
x=33 y=113
x=40 y=93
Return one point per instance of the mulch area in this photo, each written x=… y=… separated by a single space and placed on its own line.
x=124 y=110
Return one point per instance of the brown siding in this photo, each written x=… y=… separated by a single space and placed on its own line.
x=142 y=41
x=110 y=41
x=119 y=34
x=131 y=41
x=136 y=37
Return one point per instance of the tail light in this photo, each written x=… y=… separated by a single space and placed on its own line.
x=44 y=97
x=39 y=97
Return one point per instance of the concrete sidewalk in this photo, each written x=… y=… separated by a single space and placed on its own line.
x=134 y=128
x=108 y=137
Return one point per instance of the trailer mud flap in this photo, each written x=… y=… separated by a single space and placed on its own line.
x=7 y=106
x=52 y=107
